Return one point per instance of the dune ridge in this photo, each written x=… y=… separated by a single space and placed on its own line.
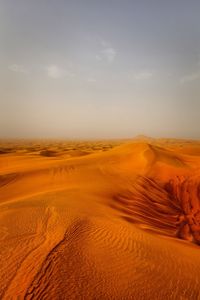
x=116 y=222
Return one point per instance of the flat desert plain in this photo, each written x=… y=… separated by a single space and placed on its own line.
x=100 y=220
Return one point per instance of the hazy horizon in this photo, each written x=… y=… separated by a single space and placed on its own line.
x=99 y=69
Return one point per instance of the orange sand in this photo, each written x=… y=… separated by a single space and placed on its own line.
x=99 y=220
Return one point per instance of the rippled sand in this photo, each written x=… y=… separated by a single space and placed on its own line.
x=100 y=220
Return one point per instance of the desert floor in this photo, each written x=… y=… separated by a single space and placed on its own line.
x=100 y=220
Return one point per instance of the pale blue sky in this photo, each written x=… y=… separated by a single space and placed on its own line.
x=95 y=69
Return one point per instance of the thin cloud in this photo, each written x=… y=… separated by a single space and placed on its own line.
x=142 y=75
x=91 y=80
x=98 y=57
x=198 y=63
x=109 y=54
x=55 y=72
x=18 y=68
x=190 y=77
x=104 y=44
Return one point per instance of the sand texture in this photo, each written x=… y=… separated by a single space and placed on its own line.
x=100 y=220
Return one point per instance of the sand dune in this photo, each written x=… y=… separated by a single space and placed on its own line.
x=100 y=220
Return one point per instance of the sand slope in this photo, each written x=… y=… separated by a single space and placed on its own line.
x=117 y=224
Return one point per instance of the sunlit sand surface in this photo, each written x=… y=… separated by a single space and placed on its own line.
x=100 y=220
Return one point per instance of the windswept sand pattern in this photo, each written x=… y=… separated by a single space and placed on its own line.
x=60 y=275
x=148 y=205
x=118 y=223
x=19 y=250
x=8 y=178
x=39 y=289
x=172 y=210
x=186 y=192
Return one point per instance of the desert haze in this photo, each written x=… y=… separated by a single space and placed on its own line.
x=100 y=220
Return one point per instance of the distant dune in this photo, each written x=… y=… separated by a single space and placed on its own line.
x=100 y=220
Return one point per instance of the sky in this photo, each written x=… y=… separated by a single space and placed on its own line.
x=99 y=69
